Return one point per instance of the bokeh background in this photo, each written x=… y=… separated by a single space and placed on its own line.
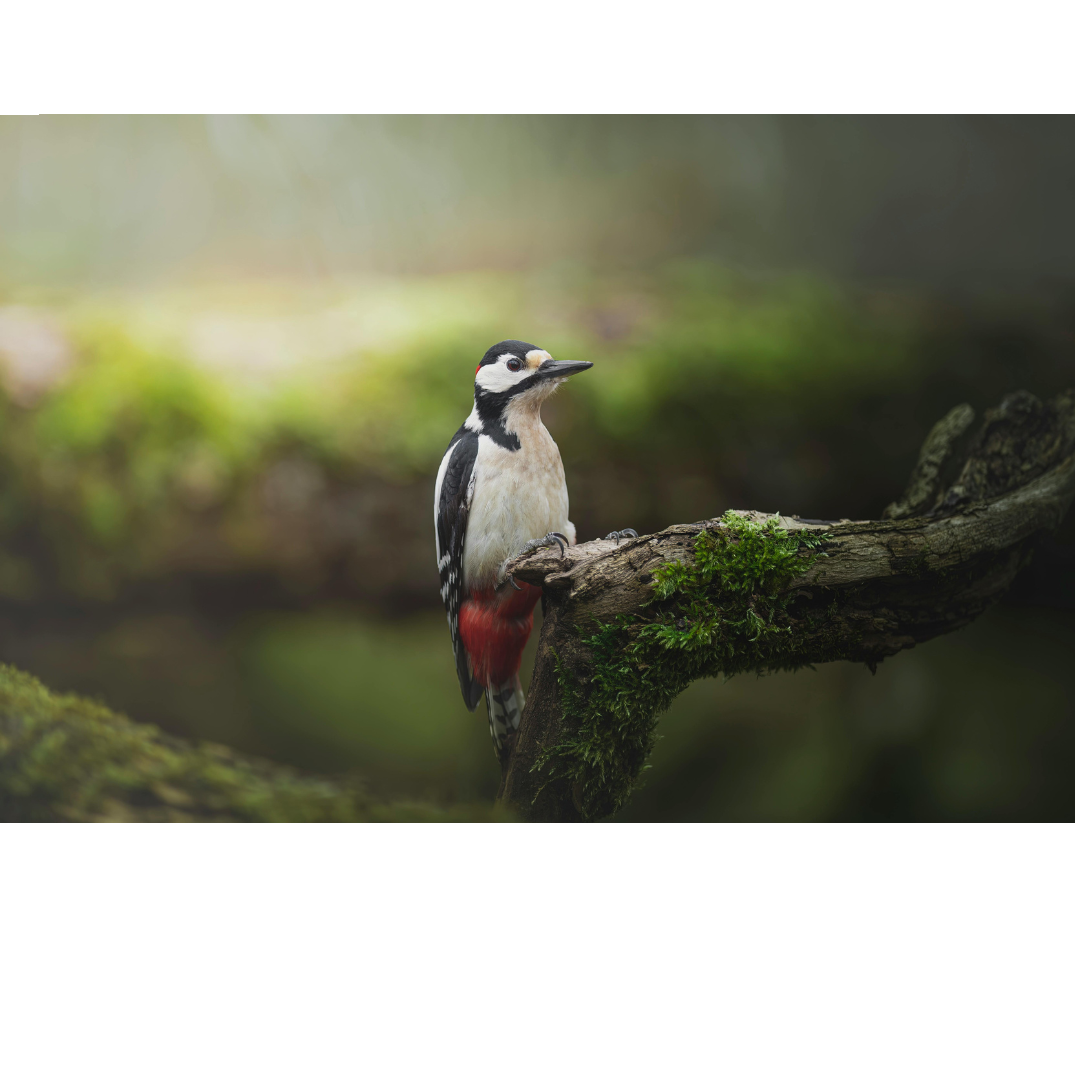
x=233 y=349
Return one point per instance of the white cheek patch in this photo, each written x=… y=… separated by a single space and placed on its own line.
x=496 y=377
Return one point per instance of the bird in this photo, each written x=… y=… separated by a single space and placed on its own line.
x=500 y=491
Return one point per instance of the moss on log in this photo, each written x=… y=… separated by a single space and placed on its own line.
x=64 y=758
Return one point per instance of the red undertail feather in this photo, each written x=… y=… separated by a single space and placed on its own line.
x=494 y=628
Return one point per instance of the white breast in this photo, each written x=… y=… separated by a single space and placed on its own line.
x=517 y=496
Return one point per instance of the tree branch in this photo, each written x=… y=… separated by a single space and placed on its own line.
x=624 y=632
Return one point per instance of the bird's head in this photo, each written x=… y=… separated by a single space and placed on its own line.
x=517 y=372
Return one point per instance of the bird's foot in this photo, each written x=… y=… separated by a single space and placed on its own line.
x=546 y=542
x=618 y=535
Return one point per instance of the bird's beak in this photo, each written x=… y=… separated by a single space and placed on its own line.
x=551 y=368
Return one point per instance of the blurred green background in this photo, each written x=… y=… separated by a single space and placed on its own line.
x=233 y=349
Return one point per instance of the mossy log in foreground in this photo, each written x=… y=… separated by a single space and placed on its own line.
x=63 y=758
x=628 y=626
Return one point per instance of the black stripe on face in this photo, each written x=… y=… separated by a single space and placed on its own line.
x=491 y=405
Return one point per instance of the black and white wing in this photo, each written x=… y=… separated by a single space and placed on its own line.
x=455 y=489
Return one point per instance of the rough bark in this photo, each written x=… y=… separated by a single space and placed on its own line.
x=943 y=553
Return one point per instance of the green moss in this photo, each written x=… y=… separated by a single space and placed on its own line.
x=63 y=758
x=722 y=613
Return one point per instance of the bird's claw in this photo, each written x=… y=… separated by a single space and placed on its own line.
x=502 y=578
x=551 y=538
x=616 y=535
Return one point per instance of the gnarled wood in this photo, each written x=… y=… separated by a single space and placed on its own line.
x=944 y=553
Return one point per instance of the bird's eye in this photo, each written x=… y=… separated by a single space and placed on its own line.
x=514 y=364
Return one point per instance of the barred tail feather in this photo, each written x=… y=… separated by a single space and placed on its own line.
x=505 y=704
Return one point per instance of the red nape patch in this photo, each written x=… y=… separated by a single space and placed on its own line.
x=477 y=369
x=495 y=628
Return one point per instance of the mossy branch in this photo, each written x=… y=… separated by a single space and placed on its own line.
x=628 y=626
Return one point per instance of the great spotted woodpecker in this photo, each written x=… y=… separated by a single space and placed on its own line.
x=500 y=491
